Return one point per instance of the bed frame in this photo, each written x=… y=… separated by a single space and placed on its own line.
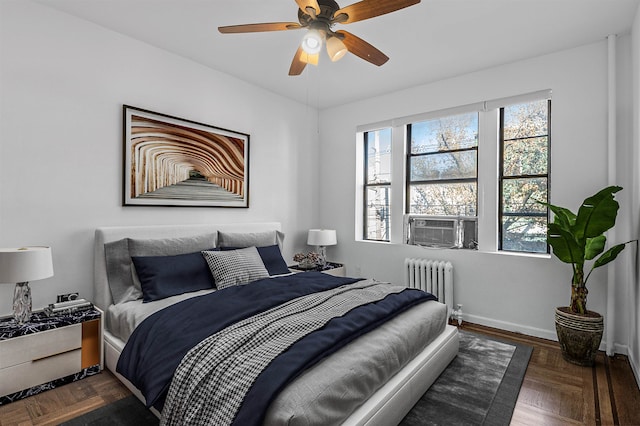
x=387 y=406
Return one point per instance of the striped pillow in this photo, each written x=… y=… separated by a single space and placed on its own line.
x=235 y=267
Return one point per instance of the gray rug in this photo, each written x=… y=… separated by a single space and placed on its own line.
x=479 y=387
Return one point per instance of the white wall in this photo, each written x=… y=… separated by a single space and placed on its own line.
x=633 y=286
x=63 y=82
x=512 y=292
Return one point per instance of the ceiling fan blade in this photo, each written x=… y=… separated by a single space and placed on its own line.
x=366 y=9
x=256 y=28
x=361 y=48
x=297 y=65
x=303 y=4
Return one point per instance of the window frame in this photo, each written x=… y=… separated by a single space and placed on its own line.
x=502 y=177
x=488 y=171
x=409 y=155
x=366 y=185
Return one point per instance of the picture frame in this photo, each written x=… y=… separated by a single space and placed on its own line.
x=171 y=161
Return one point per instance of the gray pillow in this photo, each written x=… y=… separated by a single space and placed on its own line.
x=249 y=239
x=118 y=263
x=120 y=272
x=235 y=267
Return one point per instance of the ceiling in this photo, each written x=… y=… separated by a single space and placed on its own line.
x=427 y=42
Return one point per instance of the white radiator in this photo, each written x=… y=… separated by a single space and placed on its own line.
x=433 y=276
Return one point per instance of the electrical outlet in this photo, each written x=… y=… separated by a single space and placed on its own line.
x=66 y=297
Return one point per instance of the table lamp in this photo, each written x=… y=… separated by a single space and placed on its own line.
x=21 y=265
x=322 y=238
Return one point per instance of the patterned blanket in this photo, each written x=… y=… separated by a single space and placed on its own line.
x=214 y=377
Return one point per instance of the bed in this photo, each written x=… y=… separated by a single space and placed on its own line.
x=380 y=397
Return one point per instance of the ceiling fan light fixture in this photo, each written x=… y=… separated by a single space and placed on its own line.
x=319 y=17
x=310 y=59
x=312 y=42
x=336 y=48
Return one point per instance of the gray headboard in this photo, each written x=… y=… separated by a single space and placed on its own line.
x=102 y=293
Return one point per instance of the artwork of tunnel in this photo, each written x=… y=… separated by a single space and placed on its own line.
x=170 y=161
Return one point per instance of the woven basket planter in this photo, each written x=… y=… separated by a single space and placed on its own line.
x=579 y=335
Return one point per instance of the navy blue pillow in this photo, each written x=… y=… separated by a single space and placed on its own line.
x=271 y=257
x=164 y=276
x=273 y=261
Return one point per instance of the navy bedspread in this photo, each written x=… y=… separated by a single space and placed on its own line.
x=156 y=347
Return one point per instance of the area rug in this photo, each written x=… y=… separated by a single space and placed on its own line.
x=479 y=387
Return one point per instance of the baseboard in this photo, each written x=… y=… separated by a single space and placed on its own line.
x=618 y=348
x=535 y=332
x=635 y=368
x=509 y=326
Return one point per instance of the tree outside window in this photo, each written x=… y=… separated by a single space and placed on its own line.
x=524 y=176
x=442 y=166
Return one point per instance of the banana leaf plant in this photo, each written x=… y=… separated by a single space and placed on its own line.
x=578 y=239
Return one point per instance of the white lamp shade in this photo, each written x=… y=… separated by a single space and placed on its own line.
x=322 y=237
x=25 y=264
x=336 y=48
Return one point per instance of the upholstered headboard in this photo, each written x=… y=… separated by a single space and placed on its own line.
x=102 y=293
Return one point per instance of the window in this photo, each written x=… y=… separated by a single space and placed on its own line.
x=377 y=185
x=469 y=176
x=442 y=166
x=524 y=176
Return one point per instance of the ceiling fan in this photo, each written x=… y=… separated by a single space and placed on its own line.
x=319 y=16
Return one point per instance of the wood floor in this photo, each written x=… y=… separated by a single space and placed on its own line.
x=554 y=392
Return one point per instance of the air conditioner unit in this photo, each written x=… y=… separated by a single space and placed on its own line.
x=442 y=231
x=433 y=231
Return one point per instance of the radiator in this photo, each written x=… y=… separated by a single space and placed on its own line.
x=433 y=276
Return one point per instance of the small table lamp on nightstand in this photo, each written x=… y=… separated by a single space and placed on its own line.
x=21 y=265
x=322 y=238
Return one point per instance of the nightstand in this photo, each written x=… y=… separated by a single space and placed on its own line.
x=48 y=352
x=331 y=268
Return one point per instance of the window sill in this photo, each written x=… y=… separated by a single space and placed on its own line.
x=496 y=252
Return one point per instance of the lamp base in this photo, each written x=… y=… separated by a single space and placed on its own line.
x=22 y=303
x=322 y=251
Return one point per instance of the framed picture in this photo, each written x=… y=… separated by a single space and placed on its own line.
x=170 y=161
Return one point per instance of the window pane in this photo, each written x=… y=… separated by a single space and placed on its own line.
x=527 y=234
x=520 y=195
x=526 y=156
x=453 y=199
x=525 y=120
x=525 y=149
x=450 y=165
x=444 y=134
x=378 y=149
x=378 y=213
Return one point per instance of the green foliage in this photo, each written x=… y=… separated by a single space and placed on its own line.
x=578 y=238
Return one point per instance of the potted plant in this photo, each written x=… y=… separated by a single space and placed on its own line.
x=578 y=239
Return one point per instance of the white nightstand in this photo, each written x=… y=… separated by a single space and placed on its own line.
x=48 y=352
x=332 y=268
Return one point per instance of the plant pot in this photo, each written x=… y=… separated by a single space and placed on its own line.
x=579 y=335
